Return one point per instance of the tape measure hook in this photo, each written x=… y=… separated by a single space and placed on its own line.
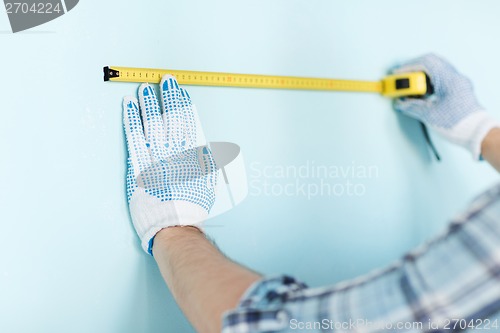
x=110 y=73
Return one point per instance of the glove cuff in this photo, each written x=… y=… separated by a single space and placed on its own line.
x=162 y=215
x=470 y=132
x=481 y=123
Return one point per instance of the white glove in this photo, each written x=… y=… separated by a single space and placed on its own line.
x=452 y=110
x=171 y=181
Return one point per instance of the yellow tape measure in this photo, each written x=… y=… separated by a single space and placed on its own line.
x=408 y=84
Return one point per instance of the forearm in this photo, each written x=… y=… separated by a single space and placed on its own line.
x=490 y=148
x=203 y=281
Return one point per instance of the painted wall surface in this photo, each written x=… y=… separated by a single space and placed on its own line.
x=69 y=258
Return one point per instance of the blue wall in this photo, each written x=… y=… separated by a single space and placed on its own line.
x=69 y=258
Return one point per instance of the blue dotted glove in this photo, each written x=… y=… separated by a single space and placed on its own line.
x=171 y=178
x=452 y=110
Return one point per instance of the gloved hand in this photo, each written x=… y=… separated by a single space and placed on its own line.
x=452 y=110
x=171 y=181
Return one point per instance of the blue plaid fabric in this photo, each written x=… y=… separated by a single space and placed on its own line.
x=450 y=284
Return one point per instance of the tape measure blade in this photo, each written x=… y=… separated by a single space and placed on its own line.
x=219 y=79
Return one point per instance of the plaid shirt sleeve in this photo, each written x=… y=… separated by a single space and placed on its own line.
x=449 y=284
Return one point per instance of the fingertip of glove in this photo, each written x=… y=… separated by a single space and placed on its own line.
x=409 y=106
x=129 y=101
x=130 y=109
x=431 y=56
x=397 y=105
x=145 y=89
x=169 y=81
x=418 y=63
x=429 y=62
x=185 y=93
